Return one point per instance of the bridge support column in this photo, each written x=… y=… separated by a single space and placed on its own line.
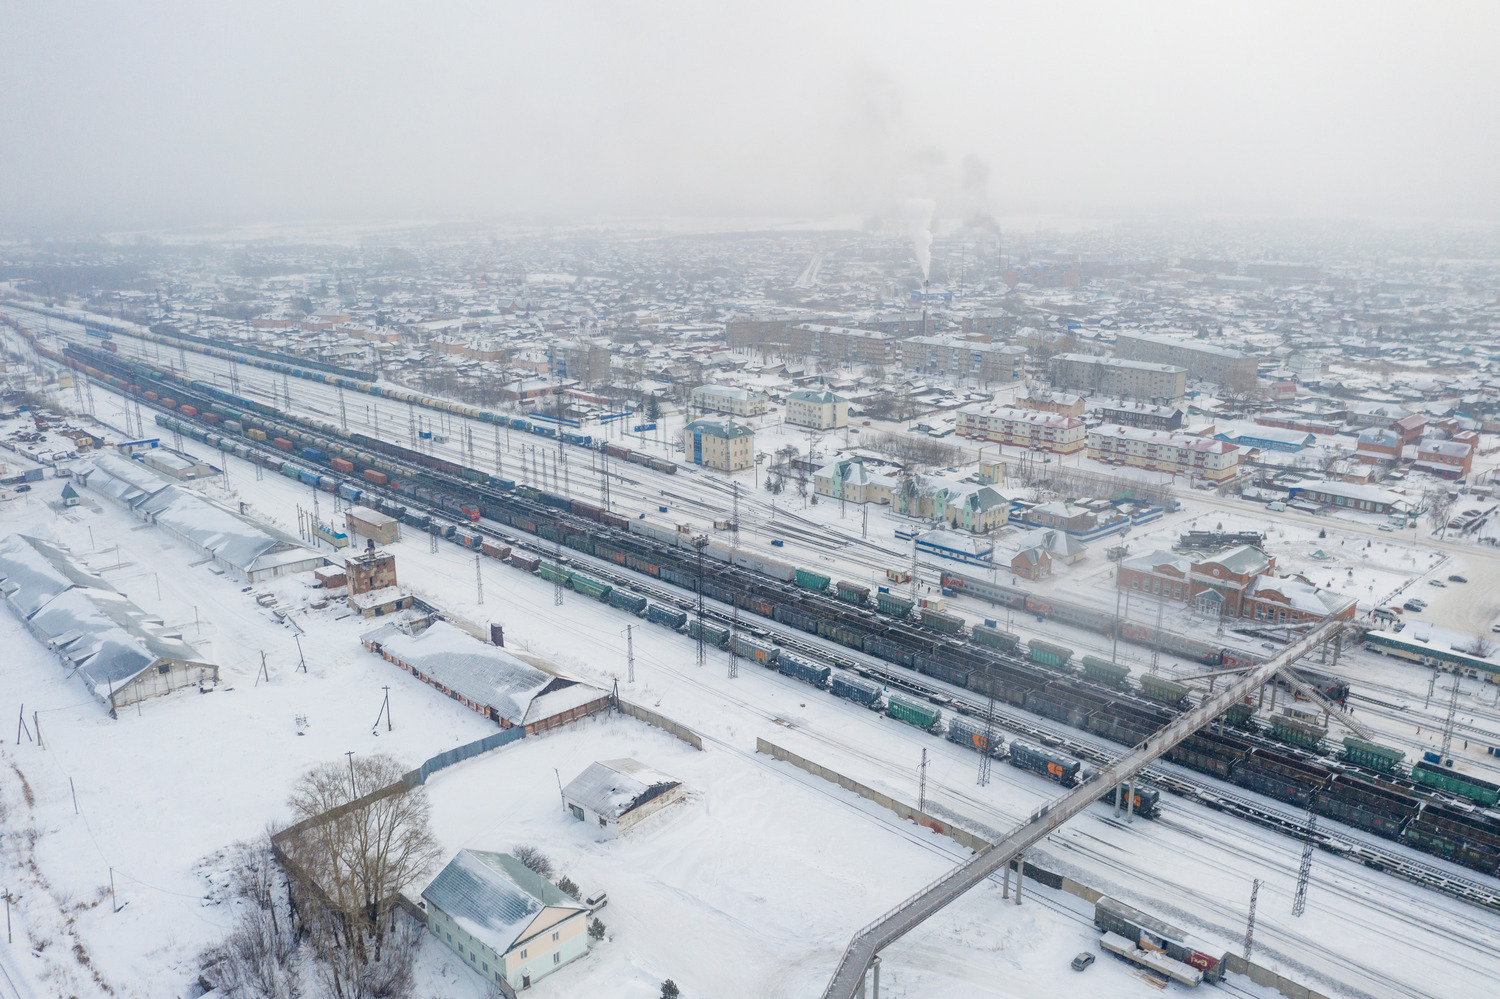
x=1005 y=891
x=1118 y=789
x=1020 y=875
x=1130 y=802
x=875 y=969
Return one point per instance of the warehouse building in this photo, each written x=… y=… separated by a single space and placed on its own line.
x=721 y=444
x=504 y=920
x=817 y=408
x=362 y=522
x=485 y=678
x=122 y=654
x=616 y=794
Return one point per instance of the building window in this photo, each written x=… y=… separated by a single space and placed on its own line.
x=554 y=936
x=556 y=958
x=523 y=953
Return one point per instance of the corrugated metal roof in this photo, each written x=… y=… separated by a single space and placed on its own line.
x=484 y=674
x=613 y=787
x=493 y=896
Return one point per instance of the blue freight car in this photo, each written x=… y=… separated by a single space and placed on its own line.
x=311 y=454
x=311 y=478
x=799 y=669
x=667 y=616
x=971 y=734
x=1053 y=766
x=856 y=690
x=627 y=601
x=352 y=493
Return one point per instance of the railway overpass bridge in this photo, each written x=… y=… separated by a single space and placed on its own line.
x=848 y=978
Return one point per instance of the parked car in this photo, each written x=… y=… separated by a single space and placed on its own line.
x=1457 y=579
x=1385 y=527
x=1082 y=961
x=1436 y=582
x=1276 y=506
x=1414 y=605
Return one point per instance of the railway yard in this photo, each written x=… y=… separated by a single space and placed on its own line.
x=814 y=643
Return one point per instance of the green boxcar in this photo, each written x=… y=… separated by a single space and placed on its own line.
x=1372 y=755
x=1239 y=715
x=1298 y=733
x=995 y=638
x=290 y=471
x=893 y=605
x=552 y=573
x=938 y=621
x=1048 y=654
x=1453 y=782
x=812 y=580
x=711 y=634
x=1104 y=671
x=590 y=587
x=912 y=713
x=1166 y=691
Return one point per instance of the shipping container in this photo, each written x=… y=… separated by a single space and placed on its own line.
x=342 y=464
x=255 y=434
x=282 y=443
x=189 y=410
x=234 y=426
x=669 y=617
x=912 y=713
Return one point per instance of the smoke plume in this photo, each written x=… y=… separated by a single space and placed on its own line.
x=919 y=215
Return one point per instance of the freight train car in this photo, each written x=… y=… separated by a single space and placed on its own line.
x=919 y=715
x=857 y=691
x=1053 y=766
x=800 y=669
x=967 y=733
x=667 y=617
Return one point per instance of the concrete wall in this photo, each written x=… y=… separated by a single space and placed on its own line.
x=687 y=735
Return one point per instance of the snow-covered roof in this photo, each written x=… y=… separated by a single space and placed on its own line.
x=613 y=787
x=1302 y=596
x=493 y=896
x=483 y=674
x=89 y=623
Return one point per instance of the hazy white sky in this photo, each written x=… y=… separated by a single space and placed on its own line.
x=141 y=114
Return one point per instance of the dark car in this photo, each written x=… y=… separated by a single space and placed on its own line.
x=1413 y=605
x=1457 y=579
x=1436 y=582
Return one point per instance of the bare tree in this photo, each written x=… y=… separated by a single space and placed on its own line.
x=534 y=859
x=258 y=958
x=364 y=840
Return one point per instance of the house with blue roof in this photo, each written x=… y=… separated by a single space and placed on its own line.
x=504 y=920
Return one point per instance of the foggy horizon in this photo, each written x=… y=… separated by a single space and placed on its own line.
x=118 y=118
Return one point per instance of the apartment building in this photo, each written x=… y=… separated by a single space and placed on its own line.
x=956 y=357
x=817 y=408
x=1210 y=362
x=585 y=361
x=721 y=444
x=1027 y=428
x=843 y=344
x=1161 y=451
x=727 y=399
x=1144 y=415
x=1119 y=377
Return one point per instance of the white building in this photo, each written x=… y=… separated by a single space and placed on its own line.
x=817 y=408
x=1159 y=450
x=1029 y=428
x=727 y=399
x=616 y=794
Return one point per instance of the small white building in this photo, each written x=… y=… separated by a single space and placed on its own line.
x=726 y=399
x=616 y=794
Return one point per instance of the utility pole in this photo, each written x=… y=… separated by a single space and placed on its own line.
x=1299 y=901
x=353 y=791
x=629 y=655
x=1452 y=711
x=343 y=415
x=1250 y=923
x=922 y=783
x=987 y=749
x=700 y=543
x=478 y=578
x=734 y=618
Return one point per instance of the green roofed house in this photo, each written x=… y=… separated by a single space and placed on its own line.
x=507 y=922
x=817 y=408
x=721 y=444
